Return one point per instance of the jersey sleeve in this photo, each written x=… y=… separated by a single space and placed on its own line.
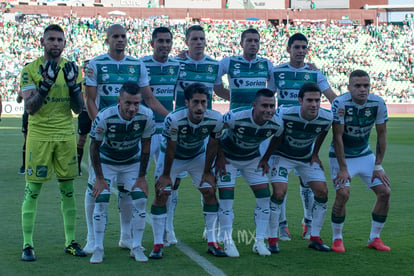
x=91 y=74
x=228 y=120
x=170 y=130
x=382 y=115
x=338 y=112
x=278 y=119
x=218 y=129
x=149 y=127
x=143 y=77
x=271 y=82
x=98 y=128
x=322 y=82
x=26 y=80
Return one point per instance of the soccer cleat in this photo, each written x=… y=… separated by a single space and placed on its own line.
x=284 y=234
x=28 y=254
x=125 y=244
x=74 y=249
x=170 y=238
x=21 y=171
x=97 y=256
x=138 y=254
x=89 y=247
x=338 y=246
x=317 y=243
x=259 y=247
x=306 y=225
x=273 y=246
x=230 y=249
x=215 y=250
x=156 y=253
x=378 y=245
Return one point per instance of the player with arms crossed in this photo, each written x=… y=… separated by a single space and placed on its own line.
x=305 y=128
x=183 y=149
x=355 y=113
x=287 y=79
x=115 y=136
x=246 y=128
x=51 y=88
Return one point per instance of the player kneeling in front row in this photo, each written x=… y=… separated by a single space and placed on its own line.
x=183 y=150
x=305 y=128
x=114 y=150
x=355 y=113
x=246 y=128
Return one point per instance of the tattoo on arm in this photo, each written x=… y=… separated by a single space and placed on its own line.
x=34 y=102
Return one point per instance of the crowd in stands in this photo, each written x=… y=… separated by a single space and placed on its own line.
x=386 y=53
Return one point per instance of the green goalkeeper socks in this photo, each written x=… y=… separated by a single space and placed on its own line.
x=29 y=208
x=68 y=207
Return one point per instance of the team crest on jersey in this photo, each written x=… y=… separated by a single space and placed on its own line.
x=341 y=112
x=136 y=126
x=89 y=72
x=306 y=77
x=261 y=67
x=318 y=129
x=131 y=69
x=171 y=70
x=204 y=130
x=368 y=112
x=210 y=69
x=268 y=133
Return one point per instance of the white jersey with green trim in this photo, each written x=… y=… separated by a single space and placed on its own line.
x=299 y=133
x=190 y=136
x=358 y=121
x=287 y=81
x=203 y=71
x=242 y=136
x=108 y=75
x=162 y=80
x=121 y=138
x=245 y=78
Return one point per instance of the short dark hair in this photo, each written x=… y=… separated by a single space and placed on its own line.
x=53 y=27
x=264 y=92
x=194 y=88
x=297 y=36
x=160 y=30
x=130 y=87
x=249 y=31
x=358 y=73
x=193 y=28
x=308 y=87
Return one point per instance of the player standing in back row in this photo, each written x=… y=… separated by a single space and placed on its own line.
x=286 y=80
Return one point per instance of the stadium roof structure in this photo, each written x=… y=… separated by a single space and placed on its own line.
x=409 y=7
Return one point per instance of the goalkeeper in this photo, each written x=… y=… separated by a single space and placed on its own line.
x=51 y=87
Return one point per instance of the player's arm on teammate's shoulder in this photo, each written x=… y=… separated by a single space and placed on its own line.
x=380 y=153
x=330 y=94
x=90 y=93
x=153 y=102
x=222 y=92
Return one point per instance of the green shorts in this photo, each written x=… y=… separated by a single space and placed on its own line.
x=42 y=156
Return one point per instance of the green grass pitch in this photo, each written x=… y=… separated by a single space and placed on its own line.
x=294 y=259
